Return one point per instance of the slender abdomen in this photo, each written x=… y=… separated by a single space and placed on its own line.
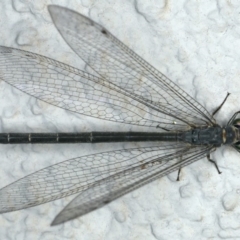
x=88 y=137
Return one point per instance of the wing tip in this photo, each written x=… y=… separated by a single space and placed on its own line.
x=67 y=214
x=54 y=223
x=4 y=49
x=58 y=220
x=51 y=7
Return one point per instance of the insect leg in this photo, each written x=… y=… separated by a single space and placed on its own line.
x=233 y=118
x=221 y=105
x=179 y=170
x=212 y=161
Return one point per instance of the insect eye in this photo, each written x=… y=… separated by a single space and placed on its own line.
x=236 y=123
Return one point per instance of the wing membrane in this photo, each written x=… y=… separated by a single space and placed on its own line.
x=78 y=174
x=117 y=185
x=72 y=89
x=114 y=61
x=128 y=90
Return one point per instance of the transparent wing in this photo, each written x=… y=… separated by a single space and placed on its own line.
x=69 y=88
x=78 y=174
x=114 y=61
x=115 y=186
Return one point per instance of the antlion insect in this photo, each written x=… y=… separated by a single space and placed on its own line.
x=124 y=85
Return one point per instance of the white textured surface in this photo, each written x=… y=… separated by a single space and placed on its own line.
x=197 y=45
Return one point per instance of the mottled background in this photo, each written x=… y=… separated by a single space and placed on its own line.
x=194 y=43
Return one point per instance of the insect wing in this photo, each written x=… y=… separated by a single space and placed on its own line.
x=114 y=61
x=78 y=174
x=117 y=185
x=72 y=89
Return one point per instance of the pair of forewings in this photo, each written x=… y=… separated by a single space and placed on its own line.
x=124 y=89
